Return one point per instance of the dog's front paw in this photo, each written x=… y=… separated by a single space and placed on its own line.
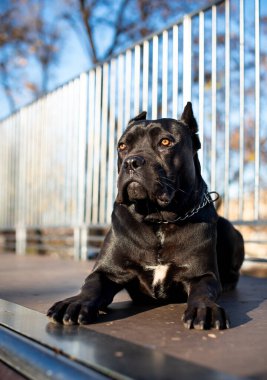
x=203 y=317
x=74 y=310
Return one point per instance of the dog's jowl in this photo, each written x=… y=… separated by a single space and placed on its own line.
x=166 y=242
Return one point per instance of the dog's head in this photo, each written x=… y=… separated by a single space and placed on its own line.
x=157 y=159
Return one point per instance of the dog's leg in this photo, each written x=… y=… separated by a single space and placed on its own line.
x=202 y=311
x=97 y=293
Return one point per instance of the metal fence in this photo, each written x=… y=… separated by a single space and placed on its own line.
x=58 y=154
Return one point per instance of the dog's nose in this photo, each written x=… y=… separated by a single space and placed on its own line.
x=133 y=162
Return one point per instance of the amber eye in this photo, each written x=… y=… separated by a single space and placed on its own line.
x=165 y=142
x=122 y=147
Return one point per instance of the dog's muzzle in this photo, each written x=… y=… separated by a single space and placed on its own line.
x=132 y=165
x=136 y=182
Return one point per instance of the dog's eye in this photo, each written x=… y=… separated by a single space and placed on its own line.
x=165 y=142
x=122 y=147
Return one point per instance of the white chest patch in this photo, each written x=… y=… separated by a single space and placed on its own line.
x=160 y=236
x=160 y=272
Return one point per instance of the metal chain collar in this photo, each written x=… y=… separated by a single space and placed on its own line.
x=207 y=199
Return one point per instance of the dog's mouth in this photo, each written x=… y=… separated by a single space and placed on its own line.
x=135 y=191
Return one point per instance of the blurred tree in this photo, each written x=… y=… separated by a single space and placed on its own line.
x=122 y=22
x=33 y=35
x=30 y=44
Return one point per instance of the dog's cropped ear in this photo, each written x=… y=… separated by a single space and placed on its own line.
x=189 y=118
x=141 y=116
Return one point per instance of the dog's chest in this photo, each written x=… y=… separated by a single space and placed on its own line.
x=158 y=271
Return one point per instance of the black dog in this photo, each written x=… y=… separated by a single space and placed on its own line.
x=166 y=239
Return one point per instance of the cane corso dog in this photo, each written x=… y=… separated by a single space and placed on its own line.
x=166 y=242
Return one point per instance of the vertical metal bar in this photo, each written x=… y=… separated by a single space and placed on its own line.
x=9 y=166
x=2 y=176
x=69 y=156
x=15 y=155
x=23 y=138
x=82 y=144
x=8 y=177
x=83 y=100
x=63 y=136
x=24 y=163
x=37 y=166
x=37 y=163
x=187 y=59
x=103 y=155
x=16 y=167
x=46 y=162
x=120 y=79
x=6 y=174
x=227 y=109
x=201 y=84
x=145 y=75
x=27 y=169
x=111 y=147
x=76 y=150
x=61 y=132
x=53 y=161
x=155 y=78
x=175 y=70
x=50 y=147
x=41 y=192
x=34 y=161
x=42 y=155
x=46 y=154
x=128 y=85
x=12 y=156
x=35 y=115
x=19 y=188
x=5 y=170
x=90 y=155
x=213 y=100
x=257 y=110
x=137 y=80
x=241 y=110
x=2 y=188
x=9 y=170
x=97 y=145
x=50 y=167
x=165 y=73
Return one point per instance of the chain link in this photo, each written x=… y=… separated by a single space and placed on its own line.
x=207 y=199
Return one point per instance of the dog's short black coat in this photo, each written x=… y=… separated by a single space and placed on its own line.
x=166 y=240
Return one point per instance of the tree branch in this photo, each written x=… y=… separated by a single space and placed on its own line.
x=85 y=17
